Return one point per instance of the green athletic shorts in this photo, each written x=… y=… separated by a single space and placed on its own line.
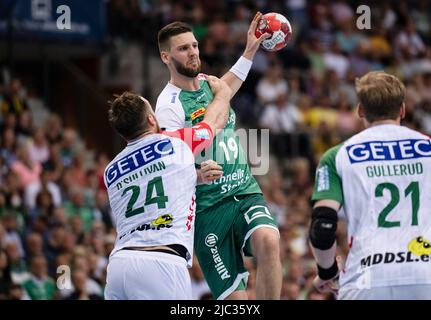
x=222 y=232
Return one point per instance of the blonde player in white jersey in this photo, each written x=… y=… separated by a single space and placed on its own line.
x=381 y=177
x=151 y=188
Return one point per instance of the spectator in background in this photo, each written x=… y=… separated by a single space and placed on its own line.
x=347 y=122
x=281 y=116
x=272 y=85
x=102 y=210
x=78 y=170
x=13 y=227
x=17 y=265
x=200 y=28
x=8 y=145
x=40 y=286
x=409 y=41
x=69 y=146
x=79 y=280
x=348 y=38
x=39 y=149
x=44 y=183
x=54 y=129
x=54 y=244
x=14 y=98
x=54 y=162
x=322 y=112
x=10 y=121
x=12 y=192
x=34 y=245
x=44 y=207
x=76 y=206
x=27 y=170
x=25 y=126
x=334 y=59
x=16 y=292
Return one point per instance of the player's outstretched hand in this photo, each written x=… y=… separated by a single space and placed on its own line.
x=253 y=42
x=219 y=87
x=324 y=286
x=330 y=285
x=209 y=171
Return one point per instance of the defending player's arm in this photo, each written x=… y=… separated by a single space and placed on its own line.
x=199 y=137
x=328 y=198
x=239 y=71
x=216 y=115
x=217 y=112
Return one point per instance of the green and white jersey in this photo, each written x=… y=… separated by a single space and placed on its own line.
x=177 y=108
x=382 y=178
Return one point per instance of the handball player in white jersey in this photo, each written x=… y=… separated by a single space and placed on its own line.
x=381 y=177
x=151 y=188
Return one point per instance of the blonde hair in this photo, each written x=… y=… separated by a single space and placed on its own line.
x=381 y=95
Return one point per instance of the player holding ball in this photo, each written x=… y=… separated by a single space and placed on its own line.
x=232 y=217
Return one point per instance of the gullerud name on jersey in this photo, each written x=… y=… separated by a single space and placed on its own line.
x=139 y=158
x=389 y=150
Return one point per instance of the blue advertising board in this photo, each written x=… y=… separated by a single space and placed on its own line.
x=58 y=20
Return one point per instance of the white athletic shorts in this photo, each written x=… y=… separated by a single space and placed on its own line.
x=144 y=275
x=404 y=292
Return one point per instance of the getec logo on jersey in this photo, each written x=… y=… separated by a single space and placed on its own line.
x=389 y=150
x=137 y=159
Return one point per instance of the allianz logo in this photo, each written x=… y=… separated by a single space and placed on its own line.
x=211 y=240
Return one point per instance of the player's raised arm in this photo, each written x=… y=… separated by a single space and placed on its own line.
x=199 y=137
x=217 y=112
x=239 y=71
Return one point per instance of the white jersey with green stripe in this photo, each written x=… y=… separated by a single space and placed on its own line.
x=382 y=179
x=177 y=108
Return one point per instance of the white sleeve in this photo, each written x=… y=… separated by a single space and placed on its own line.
x=170 y=116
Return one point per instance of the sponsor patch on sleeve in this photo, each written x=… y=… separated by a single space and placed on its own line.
x=197 y=113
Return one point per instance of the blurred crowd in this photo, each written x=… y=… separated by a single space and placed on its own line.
x=54 y=209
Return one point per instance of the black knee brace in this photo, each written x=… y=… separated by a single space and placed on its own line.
x=323 y=227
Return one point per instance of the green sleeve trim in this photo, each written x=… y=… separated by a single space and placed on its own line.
x=328 y=184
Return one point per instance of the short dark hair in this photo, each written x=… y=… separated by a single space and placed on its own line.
x=169 y=31
x=381 y=95
x=128 y=115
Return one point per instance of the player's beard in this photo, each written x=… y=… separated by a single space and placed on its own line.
x=187 y=71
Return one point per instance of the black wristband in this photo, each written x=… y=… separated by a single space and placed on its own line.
x=327 y=274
